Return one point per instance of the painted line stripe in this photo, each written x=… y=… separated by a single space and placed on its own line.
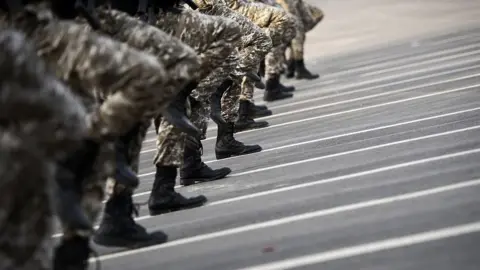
x=471 y=87
x=356 y=151
x=301 y=217
x=358 y=84
x=339 y=136
x=330 y=180
x=415 y=61
x=372 y=247
x=372 y=96
x=335 y=90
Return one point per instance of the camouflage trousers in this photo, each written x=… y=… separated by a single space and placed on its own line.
x=214 y=39
x=277 y=24
x=126 y=81
x=180 y=60
x=308 y=16
x=254 y=46
x=40 y=122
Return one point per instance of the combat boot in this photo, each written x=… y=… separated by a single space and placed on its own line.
x=194 y=169
x=70 y=175
x=274 y=90
x=72 y=254
x=256 y=111
x=164 y=199
x=175 y=113
x=119 y=229
x=226 y=145
x=216 y=102
x=302 y=72
x=290 y=72
x=245 y=122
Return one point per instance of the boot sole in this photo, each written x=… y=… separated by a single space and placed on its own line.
x=192 y=181
x=175 y=209
x=224 y=156
x=107 y=241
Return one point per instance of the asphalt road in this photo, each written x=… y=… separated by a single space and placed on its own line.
x=373 y=166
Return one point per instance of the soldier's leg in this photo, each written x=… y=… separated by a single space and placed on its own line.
x=169 y=156
x=193 y=168
x=49 y=123
x=180 y=60
x=306 y=19
x=214 y=39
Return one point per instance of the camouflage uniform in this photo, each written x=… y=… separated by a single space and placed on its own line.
x=127 y=82
x=40 y=122
x=255 y=45
x=214 y=39
x=181 y=62
x=308 y=17
x=276 y=23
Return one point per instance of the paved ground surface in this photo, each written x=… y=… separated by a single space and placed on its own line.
x=373 y=166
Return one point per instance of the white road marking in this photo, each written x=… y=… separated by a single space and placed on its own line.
x=336 y=137
x=436 y=135
x=369 y=248
x=416 y=64
x=343 y=112
x=425 y=55
x=300 y=217
x=400 y=63
x=348 y=86
x=475 y=86
x=336 y=90
x=371 y=96
x=328 y=180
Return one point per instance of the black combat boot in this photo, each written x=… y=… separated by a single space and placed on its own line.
x=216 y=102
x=72 y=254
x=302 y=72
x=256 y=111
x=193 y=169
x=226 y=145
x=119 y=229
x=70 y=175
x=274 y=91
x=164 y=199
x=290 y=72
x=245 y=122
x=175 y=113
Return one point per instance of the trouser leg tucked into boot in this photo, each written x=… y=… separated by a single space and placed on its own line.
x=176 y=112
x=194 y=169
x=245 y=122
x=274 y=90
x=164 y=199
x=72 y=254
x=226 y=145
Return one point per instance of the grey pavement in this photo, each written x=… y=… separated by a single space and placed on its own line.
x=373 y=166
